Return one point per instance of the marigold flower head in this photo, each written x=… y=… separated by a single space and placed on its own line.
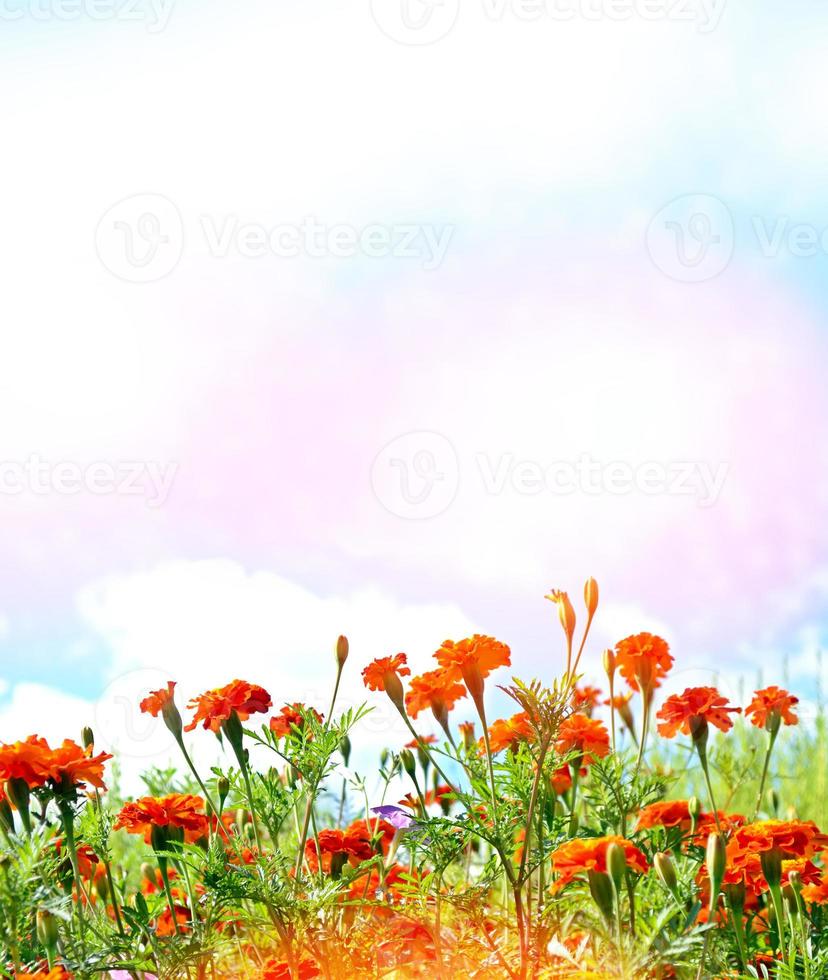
x=291 y=718
x=566 y=613
x=582 y=855
x=384 y=673
x=155 y=702
x=472 y=660
x=177 y=810
x=643 y=660
x=585 y=698
x=68 y=767
x=688 y=712
x=506 y=733
x=214 y=708
x=586 y=736
x=792 y=838
x=770 y=706
x=664 y=813
x=436 y=689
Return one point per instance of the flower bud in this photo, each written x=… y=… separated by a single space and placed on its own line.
x=223 y=787
x=666 y=871
x=616 y=864
x=342 y=649
x=6 y=815
x=735 y=894
x=383 y=758
x=790 y=900
x=345 y=749
x=48 y=933
x=773 y=800
x=600 y=887
x=394 y=690
x=408 y=763
x=102 y=887
x=609 y=663
x=17 y=791
x=148 y=872
x=87 y=737
x=716 y=861
x=771 y=862
x=566 y=613
x=795 y=880
x=591 y=596
x=694 y=807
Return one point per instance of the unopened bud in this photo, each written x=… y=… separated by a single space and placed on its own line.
x=17 y=791
x=609 y=663
x=591 y=596
x=735 y=893
x=616 y=864
x=790 y=900
x=102 y=887
x=6 y=815
x=148 y=871
x=716 y=862
x=342 y=649
x=408 y=763
x=345 y=749
x=223 y=787
x=694 y=807
x=773 y=800
x=666 y=871
x=87 y=737
x=383 y=758
x=600 y=887
x=48 y=933
x=771 y=862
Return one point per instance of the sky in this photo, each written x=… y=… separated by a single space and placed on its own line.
x=384 y=317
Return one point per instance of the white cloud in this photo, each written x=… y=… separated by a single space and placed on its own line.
x=203 y=623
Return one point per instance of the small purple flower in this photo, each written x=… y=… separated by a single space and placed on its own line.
x=396 y=816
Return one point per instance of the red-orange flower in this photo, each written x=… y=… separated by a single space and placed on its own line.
x=483 y=652
x=155 y=702
x=586 y=698
x=436 y=689
x=643 y=660
x=177 y=810
x=290 y=718
x=214 y=708
x=306 y=969
x=586 y=736
x=57 y=972
x=506 y=733
x=665 y=813
x=688 y=712
x=792 y=838
x=772 y=703
x=581 y=855
x=67 y=767
x=376 y=675
x=817 y=892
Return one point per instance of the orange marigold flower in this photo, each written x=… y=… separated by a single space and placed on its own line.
x=817 y=892
x=415 y=743
x=376 y=675
x=155 y=702
x=272 y=970
x=178 y=810
x=290 y=718
x=484 y=653
x=792 y=838
x=581 y=855
x=24 y=760
x=585 y=698
x=69 y=765
x=561 y=780
x=772 y=704
x=214 y=708
x=57 y=972
x=586 y=736
x=164 y=925
x=690 y=711
x=436 y=689
x=643 y=660
x=665 y=813
x=506 y=733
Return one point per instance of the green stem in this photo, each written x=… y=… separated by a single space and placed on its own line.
x=198 y=779
x=764 y=774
